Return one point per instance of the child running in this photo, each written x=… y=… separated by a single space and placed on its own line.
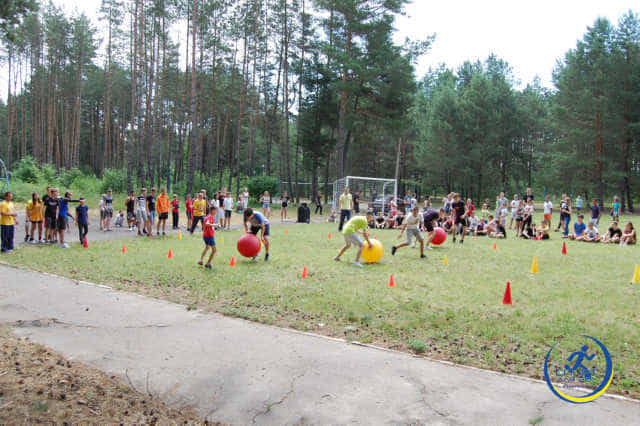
x=412 y=224
x=353 y=231
x=459 y=209
x=258 y=223
x=208 y=235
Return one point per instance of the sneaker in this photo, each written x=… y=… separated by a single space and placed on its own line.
x=157 y=232
x=337 y=259
x=200 y=262
x=208 y=266
x=64 y=245
x=254 y=257
x=26 y=238
x=454 y=239
x=266 y=257
x=428 y=248
x=393 y=250
x=461 y=241
x=358 y=264
x=422 y=256
x=164 y=233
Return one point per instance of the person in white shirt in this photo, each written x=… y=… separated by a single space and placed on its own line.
x=228 y=209
x=548 y=209
x=245 y=198
x=412 y=224
x=514 y=208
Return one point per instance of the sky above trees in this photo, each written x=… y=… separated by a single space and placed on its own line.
x=530 y=36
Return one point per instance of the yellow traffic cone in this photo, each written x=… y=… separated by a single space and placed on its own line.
x=636 y=275
x=534 y=266
x=179 y=235
x=446 y=261
x=222 y=240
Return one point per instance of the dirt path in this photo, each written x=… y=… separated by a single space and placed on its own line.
x=238 y=372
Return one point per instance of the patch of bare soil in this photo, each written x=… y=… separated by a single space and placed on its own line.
x=38 y=385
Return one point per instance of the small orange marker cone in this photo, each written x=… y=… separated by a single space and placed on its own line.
x=233 y=261
x=506 y=300
x=329 y=235
x=564 y=248
x=495 y=246
x=170 y=255
x=304 y=272
x=392 y=282
x=85 y=244
x=124 y=249
x=286 y=232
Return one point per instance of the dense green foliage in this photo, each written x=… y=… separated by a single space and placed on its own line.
x=308 y=91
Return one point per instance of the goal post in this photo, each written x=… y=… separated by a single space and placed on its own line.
x=376 y=192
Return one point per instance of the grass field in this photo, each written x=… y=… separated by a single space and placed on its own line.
x=449 y=312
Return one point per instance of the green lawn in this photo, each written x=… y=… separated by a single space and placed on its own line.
x=450 y=312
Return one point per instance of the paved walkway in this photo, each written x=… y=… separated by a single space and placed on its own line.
x=239 y=372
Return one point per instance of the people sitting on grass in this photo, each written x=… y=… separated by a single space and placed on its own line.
x=543 y=230
x=628 y=235
x=591 y=235
x=494 y=229
x=371 y=220
x=613 y=235
x=379 y=221
x=578 y=229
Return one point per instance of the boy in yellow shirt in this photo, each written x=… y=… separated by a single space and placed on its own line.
x=35 y=213
x=162 y=205
x=8 y=220
x=199 y=210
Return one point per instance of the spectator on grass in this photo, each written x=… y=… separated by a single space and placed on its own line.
x=8 y=221
x=616 y=208
x=188 y=207
x=36 y=213
x=565 y=212
x=346 y=205
x=591 y=235
x=596 y=213
x=629 y=235
x=82 y=220
x=613 y=235
x=163 y=211
x=578 y=229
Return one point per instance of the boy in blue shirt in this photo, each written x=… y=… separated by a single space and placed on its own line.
x=82 y=219
x=258 y=223
x=578 y=229
x=595 y=212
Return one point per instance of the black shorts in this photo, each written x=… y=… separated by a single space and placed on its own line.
x=461 y=221
x=189 y=215
x=61 y=223
x=227 y=214
x=50 y=222
x=256 y=229
x=164 y=216
x=284 y=205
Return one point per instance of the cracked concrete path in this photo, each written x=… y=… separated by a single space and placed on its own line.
x=239 y=372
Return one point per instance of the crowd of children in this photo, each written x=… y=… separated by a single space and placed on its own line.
x=461 y=218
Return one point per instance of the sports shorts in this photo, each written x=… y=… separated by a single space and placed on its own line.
x=256 y=229
x=414 y=233
x=210 y=241
x=353 y=239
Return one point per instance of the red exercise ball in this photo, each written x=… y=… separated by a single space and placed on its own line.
x=249 y=245
x=439 y=237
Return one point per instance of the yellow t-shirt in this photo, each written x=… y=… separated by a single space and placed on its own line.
x=199 y=207
x=7 y=207
x=345 y=202
x=35 y=211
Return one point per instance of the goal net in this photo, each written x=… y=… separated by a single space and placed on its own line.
x=375 y=193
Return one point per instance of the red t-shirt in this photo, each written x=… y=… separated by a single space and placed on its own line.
x=176 y=206
x=189 y=205
x=209 y=230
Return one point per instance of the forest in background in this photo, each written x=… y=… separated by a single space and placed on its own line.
x=308 y=91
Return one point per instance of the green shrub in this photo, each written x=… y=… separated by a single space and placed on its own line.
x=67 y=177
x=258 y=184
x=27 y=170
x=418 y=346
x=115 y=180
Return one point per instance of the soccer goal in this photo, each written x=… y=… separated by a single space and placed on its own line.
x=376 y=193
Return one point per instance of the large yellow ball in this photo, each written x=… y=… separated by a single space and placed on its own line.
x=372 y=254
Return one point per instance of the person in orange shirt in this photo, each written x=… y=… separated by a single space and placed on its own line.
x=162 y=205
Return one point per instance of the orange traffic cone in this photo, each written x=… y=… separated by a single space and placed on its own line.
x=233 y=261
x=286 y=232
x=124 y=249
x=495 y=246
x=329 y=235
x=85 y=244
x=170 y=255
x=506 y=300
x=392 y=282
x=564 y=248
x=304 y=272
